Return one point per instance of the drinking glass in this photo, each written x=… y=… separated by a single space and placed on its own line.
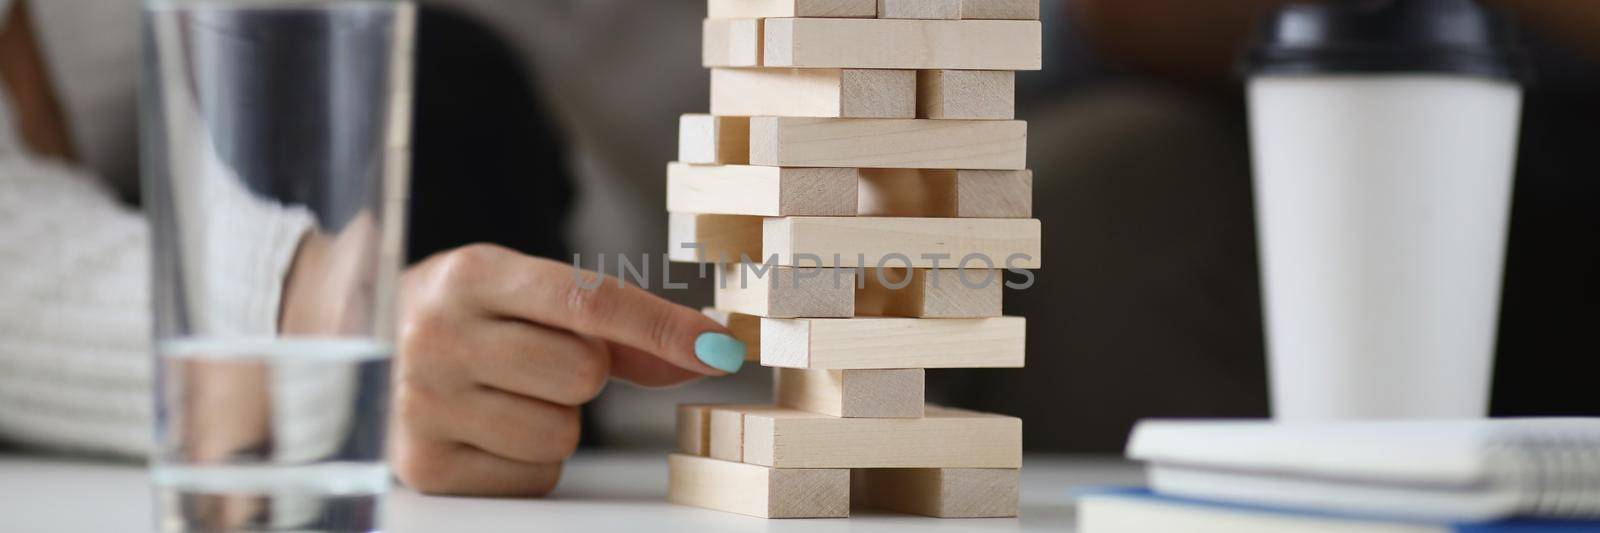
x=275 y=149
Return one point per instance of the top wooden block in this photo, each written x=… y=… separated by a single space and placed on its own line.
x=902 y=44
x=749 y=9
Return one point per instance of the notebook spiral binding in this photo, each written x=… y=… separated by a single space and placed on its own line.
x=1559 y=471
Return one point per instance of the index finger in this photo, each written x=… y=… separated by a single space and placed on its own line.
x=589 y=303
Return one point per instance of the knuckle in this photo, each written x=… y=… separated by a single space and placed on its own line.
x=590 y=376
x=423 y=467
x=413 y=287
x=589 y=306
x=404 y=405
x=410 y=402
x=664 y=331
x=417 y=329
x=564 y=434
x=543 y=484
x=422 y=332
x=466 y=264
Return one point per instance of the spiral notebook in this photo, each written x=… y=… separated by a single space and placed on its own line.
x=1449 y=471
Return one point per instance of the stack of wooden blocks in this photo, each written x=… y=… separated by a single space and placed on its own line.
x=876 y=136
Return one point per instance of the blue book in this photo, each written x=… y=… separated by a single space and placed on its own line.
x=1137 y=510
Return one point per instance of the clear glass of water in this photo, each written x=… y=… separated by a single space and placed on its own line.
x=275 y=143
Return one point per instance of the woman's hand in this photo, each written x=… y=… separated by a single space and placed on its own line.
x=496 y=352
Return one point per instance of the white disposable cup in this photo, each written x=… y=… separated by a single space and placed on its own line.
x=1381 y=204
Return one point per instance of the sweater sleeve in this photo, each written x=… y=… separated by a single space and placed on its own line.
x=75 y=320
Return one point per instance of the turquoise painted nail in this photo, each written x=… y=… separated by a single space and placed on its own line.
x=720 y=351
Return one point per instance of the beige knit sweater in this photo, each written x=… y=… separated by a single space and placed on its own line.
x=74 y=313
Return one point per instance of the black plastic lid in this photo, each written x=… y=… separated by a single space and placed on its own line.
x=1441 y=36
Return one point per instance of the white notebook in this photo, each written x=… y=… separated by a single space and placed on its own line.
x=1465 y=470
x=1109 y=510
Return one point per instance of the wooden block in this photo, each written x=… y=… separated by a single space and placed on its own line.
x=757 y=490
x=896 y=393
x=1000 y=9
x=896 y=192
x=939 y=492
x=901 y=242
x=852 y=93
x=761 y=191
x=713 y=140
x=959 y=9
x=745 y=328
x=731 y=43
x=966 y=94
x=783 y=191
x=693 y=429
x=994 y=194
x=902 y=44
x=739 y=9
x=944 y=438
x=836 y=343
x=786 y=292
x=889 y=143
x=924 y=293
x=835 y=293
x=725 y=429
x=920 y=9
x=723 y=238
x=725 y=435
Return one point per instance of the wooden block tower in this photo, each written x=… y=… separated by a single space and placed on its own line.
x=866 y=151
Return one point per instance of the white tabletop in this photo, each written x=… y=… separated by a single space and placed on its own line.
x=598 y=492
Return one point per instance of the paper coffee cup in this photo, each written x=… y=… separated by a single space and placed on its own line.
x=1384 y=140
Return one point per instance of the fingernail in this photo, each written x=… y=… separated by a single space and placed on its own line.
x=719 y=351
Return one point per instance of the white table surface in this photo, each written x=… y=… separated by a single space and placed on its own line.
x=598 y=492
